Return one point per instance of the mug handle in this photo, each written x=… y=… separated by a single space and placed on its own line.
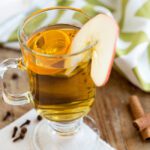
x=13 y=99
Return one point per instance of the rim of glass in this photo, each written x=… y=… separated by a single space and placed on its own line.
x=21 y=32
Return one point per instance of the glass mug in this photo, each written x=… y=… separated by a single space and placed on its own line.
x=61 y=88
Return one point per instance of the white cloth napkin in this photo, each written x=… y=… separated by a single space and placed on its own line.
x=6 y=133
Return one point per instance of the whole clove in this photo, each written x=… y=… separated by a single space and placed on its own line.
x=27 y=122
x=7 y=115
x=39 y=118
x=21 y=136
x=23 y=130
x=14 y=76
x=14 y=131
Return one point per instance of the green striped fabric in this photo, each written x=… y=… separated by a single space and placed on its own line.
x=133 y=47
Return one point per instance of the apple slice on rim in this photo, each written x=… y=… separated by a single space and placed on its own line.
x=102 y=30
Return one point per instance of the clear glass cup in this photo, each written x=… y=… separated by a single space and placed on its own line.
x=64 y=98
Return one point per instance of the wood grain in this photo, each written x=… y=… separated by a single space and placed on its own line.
x=110 y=111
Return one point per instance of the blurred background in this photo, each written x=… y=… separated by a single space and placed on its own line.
x=133 y=16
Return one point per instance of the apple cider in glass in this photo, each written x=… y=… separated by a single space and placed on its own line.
x=62 y=87
x=66 y=55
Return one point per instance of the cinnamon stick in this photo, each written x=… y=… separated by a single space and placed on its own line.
x=136 y=107
x=145 y=134
x=138 y=112
x=143 y=122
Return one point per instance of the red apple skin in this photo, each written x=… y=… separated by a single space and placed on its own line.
x=113 y=56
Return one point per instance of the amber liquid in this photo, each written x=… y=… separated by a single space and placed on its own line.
x=59 y=96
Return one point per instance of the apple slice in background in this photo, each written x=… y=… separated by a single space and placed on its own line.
x=102 y=30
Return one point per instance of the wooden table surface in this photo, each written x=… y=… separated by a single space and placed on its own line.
x=110 y=111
